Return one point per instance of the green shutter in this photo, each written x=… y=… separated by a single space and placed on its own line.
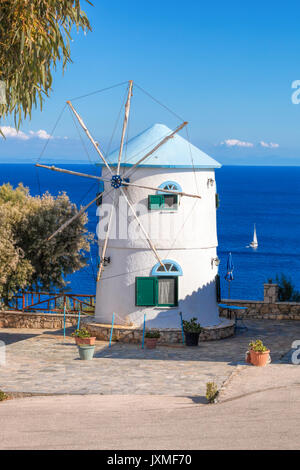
x=145 y=291
x=155 y=201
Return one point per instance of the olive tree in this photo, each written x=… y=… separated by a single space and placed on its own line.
x=35 y=36
x=28 y=261
x=14 y=269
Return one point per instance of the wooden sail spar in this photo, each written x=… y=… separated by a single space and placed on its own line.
x=124 y=183
x=126 y=116
x=162 y=142
x=120 y=181
x=106 y=238
x=82 y=210
x=80 y=120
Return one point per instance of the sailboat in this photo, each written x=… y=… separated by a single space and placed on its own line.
x=254 y=243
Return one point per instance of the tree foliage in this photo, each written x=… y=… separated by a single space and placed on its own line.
x=27 y=260
x=286 y=289
x=35 y=36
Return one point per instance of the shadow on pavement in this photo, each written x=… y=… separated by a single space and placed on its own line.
x=10 y=338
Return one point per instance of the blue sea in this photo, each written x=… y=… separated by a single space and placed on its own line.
x=266 y=196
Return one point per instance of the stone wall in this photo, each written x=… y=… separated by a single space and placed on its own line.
x=127 y=334
x=262 y=310
x=267 y=309
x=270 y=293
x=9 y=319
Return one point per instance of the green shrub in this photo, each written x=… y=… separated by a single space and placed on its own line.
x=153 y=334
x=286 y=289
x=82 y=333
x=192 y=326
x=3 y=396
x=257 y=346
x=211 y=392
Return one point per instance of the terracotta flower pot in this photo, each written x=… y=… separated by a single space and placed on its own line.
x=248 y=357
x=259 y=359
x=151 y=343
x=88 y=341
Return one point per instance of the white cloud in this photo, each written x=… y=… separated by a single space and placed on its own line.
x=41 y=134
x=269 y=145
x=244 y=144
x=236 y=143
x=12 y=133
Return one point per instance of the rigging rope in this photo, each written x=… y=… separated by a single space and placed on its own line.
x=108 y=194
x=51 y=134
x=116 y=125
x=45 y=146
x=98 y=91
x=81 y=139
x=192 y=160
x=158 y=102
x=195 y=176
x=87 y=153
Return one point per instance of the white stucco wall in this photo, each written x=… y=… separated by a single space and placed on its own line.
x=194 y=224
x=187 y=236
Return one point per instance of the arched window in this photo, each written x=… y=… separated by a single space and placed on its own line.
x=161 y=288
x=170 y=185
x=171 y=268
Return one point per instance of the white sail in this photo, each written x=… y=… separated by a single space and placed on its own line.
x=255 y=236
x=254 y=242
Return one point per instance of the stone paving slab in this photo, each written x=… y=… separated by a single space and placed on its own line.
x=40 y=361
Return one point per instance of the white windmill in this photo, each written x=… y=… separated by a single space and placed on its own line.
x=155 y=274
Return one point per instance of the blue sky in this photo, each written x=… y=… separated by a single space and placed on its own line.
x=226 y=67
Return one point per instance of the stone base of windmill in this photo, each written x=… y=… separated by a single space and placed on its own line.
x=131 y=334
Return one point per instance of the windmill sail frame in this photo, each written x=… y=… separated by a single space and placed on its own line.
x=117 y=181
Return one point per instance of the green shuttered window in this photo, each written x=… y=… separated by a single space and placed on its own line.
x=157 y=291
x=163 y=202
x=145 y=288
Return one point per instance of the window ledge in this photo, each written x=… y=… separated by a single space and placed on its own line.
x=167 y=211
x=156 y=307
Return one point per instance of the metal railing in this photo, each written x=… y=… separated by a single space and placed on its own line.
x=53 y=302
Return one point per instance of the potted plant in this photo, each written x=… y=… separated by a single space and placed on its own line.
x=86 y=352
x=151 y=338
x=192 y=330
x=259 y=354
x=83 y=336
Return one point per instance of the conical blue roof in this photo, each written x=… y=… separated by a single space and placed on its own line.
x=175 y=153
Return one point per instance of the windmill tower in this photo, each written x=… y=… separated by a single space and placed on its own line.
x=157 y=229
x=182 y=229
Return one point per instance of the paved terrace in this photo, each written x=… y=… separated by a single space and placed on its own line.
x=41 y=362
